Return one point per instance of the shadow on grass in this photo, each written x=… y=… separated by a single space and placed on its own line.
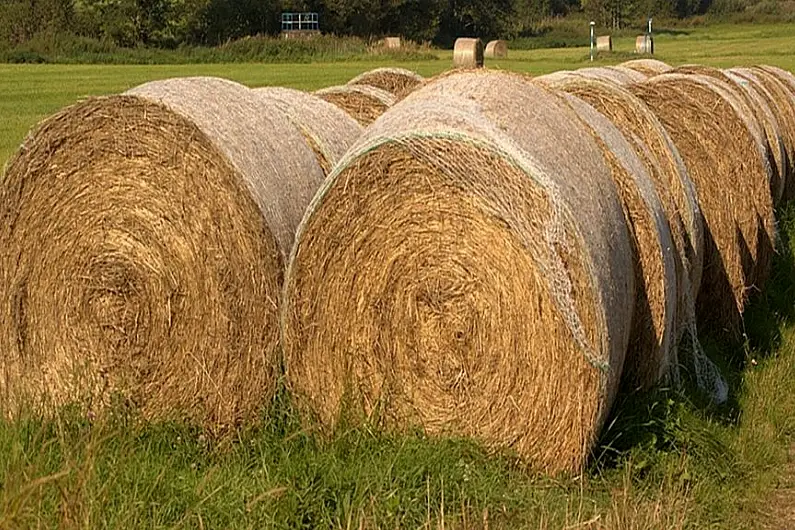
x=656 y=420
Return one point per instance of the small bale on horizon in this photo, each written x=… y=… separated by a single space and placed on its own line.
x=468 y=53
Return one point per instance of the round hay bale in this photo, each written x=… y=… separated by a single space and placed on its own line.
x=397 y=81
x=644 y=44
x=478 y=226
x=703 y=118
x=496 y=49
x=765 y=127
x=143 y=239
x=363 y=103
x=647 y=67
x=328 y=130
x=468 y=53
x=651 y=354
x=670 y=179
x=612 y=74
x=393 y=43
x=604 y=43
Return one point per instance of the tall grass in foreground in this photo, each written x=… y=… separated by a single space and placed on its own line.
x=668 y=459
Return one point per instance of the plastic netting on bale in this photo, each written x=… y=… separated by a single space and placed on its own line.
x=328 y=129
x=143 y=240
x=462 y=271
x=651 y=354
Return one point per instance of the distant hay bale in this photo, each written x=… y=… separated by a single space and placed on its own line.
x=328 y=130
x=479 y=226
x=764 y=126
x=677 y=199
x=468 y=53
x=702 y=118
x=647 y=67
x=143 y=240
x=604 y=43
x=496 y=49
x=397 y=81
x=644 y=44
x=393 y=43
x=652 y=348
x=363 y=103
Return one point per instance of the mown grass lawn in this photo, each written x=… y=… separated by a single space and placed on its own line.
x=667 y=460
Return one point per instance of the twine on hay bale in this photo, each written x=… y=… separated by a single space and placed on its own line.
x=328 y=130
x=703 y=118
x=363 y=103
x=651 y=354
x=478 y=225
x=468 y=53
x=604 y=43
x=397 y=81
x=765 y=127
x=677 y=199
x=496 y=49
x=143 y=238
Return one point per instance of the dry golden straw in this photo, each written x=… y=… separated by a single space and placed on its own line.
x=644 y=44
x=363 y=103
x=496 y=49
x=466 y=269
x=397 y=81
x=143 y=238
x=648 y=67
x=703 y=118
x=677 y=199
x=764 y=127
x=328 y=130
x=468 y=53
x=613 y=74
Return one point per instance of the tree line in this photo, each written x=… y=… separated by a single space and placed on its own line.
x=174 y=23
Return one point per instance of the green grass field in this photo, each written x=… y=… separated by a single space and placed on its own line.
x=666 y=460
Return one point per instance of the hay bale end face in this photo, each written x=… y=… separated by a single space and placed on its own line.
x=143 y=238
x=494 y=286
x=363 y=103
x=604 y=43
x=393 y=43
x=644 y=44
x=496 y=49
x=702 y=119
x=397 y=81
x=328 y=130
x=761 y=121
x=468 y=53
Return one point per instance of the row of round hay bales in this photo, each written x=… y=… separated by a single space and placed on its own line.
x=704 y=117
x=468 y=268
x=647 y=363
x=144 y=239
